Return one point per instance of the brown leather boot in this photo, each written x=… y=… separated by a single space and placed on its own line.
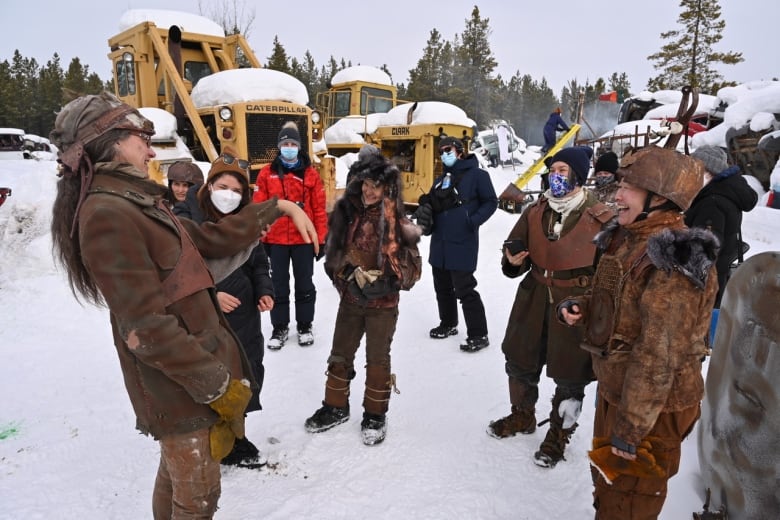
x=523 y=417
x=519 y=421
x=379 y=383
x=337 y=386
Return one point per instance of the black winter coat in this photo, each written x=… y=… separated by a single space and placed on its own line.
x=455 y=233
x=718 y=207
x=247 y=283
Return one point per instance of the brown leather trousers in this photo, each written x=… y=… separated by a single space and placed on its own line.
x=632 y=498
x=188 y=479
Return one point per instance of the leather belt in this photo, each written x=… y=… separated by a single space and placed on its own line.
x=549 y=281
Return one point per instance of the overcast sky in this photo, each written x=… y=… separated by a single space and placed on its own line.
x=558 y=40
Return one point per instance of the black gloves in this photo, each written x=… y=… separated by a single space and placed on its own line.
x=424 y=217
x=380 y=287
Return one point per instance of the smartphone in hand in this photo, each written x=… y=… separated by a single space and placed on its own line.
x=515 y=246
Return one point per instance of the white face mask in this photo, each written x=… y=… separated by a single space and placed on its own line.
x=225 y=200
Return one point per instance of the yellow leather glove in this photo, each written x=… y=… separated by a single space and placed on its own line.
x=649 y=463
x=230 y=407
x=221 y=440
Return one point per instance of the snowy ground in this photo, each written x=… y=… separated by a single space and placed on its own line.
x=68 y=448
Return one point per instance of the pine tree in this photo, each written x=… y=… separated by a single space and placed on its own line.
x=278 y=59
x=76 y=77
x=49 y=99
x=688 y=57
x=432 y=76
x=24 y=81
x=6 y=94
x=620 y=84
x=474 y=82
x=306 y=72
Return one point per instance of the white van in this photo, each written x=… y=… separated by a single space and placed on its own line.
x=11 y=143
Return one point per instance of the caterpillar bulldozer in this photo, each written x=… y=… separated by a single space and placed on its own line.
x=216 y=89
x=361 y=107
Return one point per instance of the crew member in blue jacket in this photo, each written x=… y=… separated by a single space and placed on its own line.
x=461 y=200
x=554 y=124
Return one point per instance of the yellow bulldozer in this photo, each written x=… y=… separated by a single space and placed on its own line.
x=215 y=88
x=361 y=106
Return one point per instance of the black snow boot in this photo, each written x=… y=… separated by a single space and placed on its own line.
x=373 y=428
x=244 y=455
x=326 y=418
x=442 y=331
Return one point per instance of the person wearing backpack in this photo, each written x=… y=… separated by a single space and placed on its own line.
x=460 y=201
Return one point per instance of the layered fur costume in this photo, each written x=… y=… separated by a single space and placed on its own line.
x=399 y=235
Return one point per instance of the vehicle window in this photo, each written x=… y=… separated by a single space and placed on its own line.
x=195 y=71
x=375 y=100
x=341 y=104
x=10 y=142
x=125 y=77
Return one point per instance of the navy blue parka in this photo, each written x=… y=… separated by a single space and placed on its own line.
x=455 y=231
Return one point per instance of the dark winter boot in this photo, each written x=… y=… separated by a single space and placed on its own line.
x=326 y=418
x=244 y=455
x=442 y=331
x=278 y=337
x=376 y=400
x=373 y=428
x=335 y=407
x=305 y=334
x=563 y=422
x=523 y=417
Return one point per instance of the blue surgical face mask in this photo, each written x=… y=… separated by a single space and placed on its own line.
x=559 y=185
x=289 y=153
x=448 y=158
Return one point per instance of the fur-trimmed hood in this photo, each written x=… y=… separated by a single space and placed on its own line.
x=670 y=245
x=689 y=251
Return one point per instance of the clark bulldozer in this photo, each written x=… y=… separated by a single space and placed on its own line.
x=361 y=106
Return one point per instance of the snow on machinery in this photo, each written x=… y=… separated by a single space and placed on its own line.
x=361 y=106
x=215 y=87
x=741 y=119
x=744 y=120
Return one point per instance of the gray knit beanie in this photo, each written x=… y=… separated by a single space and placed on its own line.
x=713 y=157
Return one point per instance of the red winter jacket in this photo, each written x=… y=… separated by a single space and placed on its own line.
x=303 y=185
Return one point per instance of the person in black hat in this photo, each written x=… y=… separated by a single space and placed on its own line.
x=460 y=201
x=559 y=255
x=291 y=176
x=604 y=178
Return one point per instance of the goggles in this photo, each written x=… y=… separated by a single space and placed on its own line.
x=229 y=159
